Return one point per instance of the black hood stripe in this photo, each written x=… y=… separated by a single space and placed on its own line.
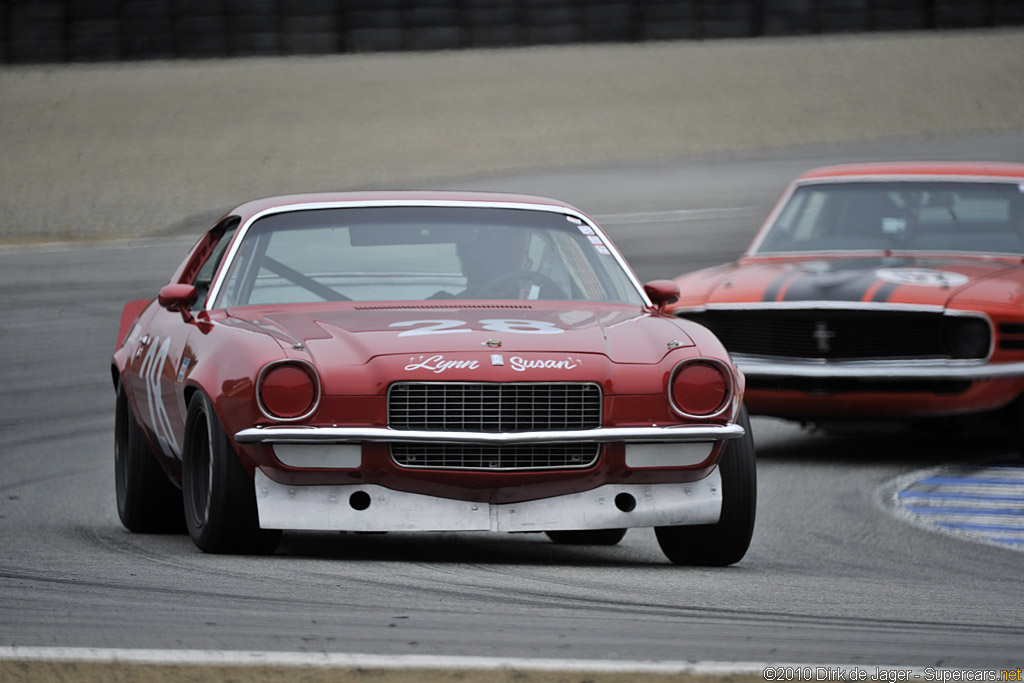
x=773 y=290
x=884 y=292
x=814 y=288
x=852 y=279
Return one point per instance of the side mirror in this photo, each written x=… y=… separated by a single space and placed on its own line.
x=662 y=293
x=178 y=297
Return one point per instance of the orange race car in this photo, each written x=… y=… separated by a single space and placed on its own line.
x=890 y=290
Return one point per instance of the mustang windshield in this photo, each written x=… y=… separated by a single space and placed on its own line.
x=916 y=216
x=422 y=253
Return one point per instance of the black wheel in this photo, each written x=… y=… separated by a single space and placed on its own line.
x=726 y=542
x=587 y=536
x=219 y=495
x=147 y=501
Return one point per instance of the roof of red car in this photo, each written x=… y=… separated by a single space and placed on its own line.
x=952 y=169
x=399 y=197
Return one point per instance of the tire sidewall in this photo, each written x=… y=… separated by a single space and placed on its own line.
x=739 y=487
x=195 y=464
x=726 y=541
x=147 y=500
x=124 y=441
x=219 y=495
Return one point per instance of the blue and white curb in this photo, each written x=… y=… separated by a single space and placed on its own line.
x=984 y=503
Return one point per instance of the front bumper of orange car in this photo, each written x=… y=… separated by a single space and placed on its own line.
x=808 y=389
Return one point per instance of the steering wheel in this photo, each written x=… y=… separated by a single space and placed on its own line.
x=496 y=287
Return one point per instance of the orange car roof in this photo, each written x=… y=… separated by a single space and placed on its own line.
x=918 y=169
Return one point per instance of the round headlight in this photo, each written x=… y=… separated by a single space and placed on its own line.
x=288 y=391
x=968 y=338
x=700 y=388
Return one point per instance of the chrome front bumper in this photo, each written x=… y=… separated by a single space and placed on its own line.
x=756 y=366
x=670 y=434
x=375 y=508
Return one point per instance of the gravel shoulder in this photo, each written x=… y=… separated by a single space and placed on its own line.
x=113 y=150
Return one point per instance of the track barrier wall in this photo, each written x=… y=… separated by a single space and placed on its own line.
x=52 y=31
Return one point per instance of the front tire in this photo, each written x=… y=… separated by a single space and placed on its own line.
x=725 y=542
x=219 y=495
x=147 y=501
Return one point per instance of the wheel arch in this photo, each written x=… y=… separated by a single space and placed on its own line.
x=190 y=391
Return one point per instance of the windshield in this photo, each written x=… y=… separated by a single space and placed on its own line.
x=889 y=216
x=422 y=253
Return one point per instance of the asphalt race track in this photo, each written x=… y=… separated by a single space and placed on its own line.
x=836 y=575
x=832 y=575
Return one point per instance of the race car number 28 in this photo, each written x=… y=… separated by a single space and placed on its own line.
x=421 y=327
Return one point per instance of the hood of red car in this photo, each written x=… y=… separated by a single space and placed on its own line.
x=356 y=334
x=931 y=280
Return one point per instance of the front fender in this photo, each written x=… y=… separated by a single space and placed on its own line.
x=129 y=314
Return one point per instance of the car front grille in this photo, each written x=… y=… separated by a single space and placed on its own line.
x=494 y=408
x=508 y=457
x=845 y=334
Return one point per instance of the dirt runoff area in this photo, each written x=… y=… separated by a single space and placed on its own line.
x=110 y=150
x=70 y=672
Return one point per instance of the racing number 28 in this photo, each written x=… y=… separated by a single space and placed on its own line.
x=421 y=327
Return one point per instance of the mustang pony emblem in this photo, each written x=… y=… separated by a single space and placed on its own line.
x=823 y=336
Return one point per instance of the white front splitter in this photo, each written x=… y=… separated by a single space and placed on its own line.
x=369 y=507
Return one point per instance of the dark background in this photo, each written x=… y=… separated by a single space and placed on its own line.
x=108 y=30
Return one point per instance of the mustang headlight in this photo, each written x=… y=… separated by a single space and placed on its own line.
x=701 y=387
x=968 y=337
x=288 y=390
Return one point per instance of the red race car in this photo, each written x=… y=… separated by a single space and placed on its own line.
x=414 y=361
x=878 y=291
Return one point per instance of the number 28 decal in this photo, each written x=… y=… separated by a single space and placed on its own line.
x=421 y=327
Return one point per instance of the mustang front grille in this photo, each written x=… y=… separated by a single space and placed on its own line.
x=848 y=334
x=508 y=457
x=493 y=407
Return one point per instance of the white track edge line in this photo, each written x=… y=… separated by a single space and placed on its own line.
x=399 y=662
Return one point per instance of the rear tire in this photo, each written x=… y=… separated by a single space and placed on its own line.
x=147 y=501
x=1015 y=412
x=219 y=495
x=725 y=542
x=587 y=536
